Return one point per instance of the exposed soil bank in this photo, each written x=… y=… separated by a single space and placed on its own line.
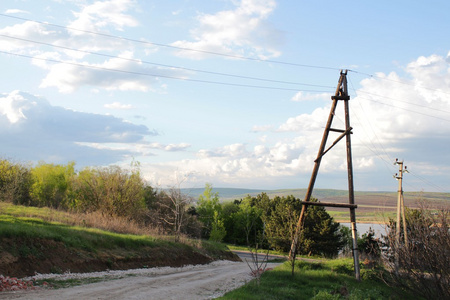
x=21 y=258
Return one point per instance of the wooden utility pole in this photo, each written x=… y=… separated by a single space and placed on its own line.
x=400 y=210
x=340 y=95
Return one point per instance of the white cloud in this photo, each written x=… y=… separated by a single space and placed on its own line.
x=242 y=31
x=112 y=74
x=118 y=105
x=16 y=34
x=262 y=128
x=307 y=122
x=32 y=129
x=13 y=11
x=170 y=147
x=102 y=14
x=78 y=68
x=302 y=96
x=412 y=124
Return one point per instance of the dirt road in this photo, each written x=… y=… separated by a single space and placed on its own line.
x=190 y=282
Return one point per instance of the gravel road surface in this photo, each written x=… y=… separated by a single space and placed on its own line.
x=189 y=282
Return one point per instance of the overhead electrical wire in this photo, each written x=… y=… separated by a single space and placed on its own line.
x=223 y=74
x=160 y=75
x=203 y=71
x=432 y=184
x=210 y=52
x=380 y=156
x=165 y=65
x=173 y=47
x=406 y=102
x=375 y=151
x=399 y=81
x=413 y=111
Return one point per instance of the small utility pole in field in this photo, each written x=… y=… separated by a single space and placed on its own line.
x=400 y=209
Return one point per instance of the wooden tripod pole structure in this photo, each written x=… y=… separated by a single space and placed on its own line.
x=340 y=95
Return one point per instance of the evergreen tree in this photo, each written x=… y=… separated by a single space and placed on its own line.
x=321 y=235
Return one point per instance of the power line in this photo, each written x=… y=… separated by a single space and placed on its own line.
x=165 y=65
x=375 y=151
x=174 y=47
x=212 y=52
x=398 y=81
x=416 y=112
x=406 y=102
x=432 y=184
x=160 y=75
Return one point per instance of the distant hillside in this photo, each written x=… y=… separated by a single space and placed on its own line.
x=224 y=193
x=379 y=198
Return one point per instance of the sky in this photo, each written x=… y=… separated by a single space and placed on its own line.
x=235 y=93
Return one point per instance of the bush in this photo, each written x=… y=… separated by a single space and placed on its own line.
x=15 y=182
x=422 y=265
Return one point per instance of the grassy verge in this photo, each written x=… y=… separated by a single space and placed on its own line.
x=245 y=248
x=327 y=279
x=46 y=241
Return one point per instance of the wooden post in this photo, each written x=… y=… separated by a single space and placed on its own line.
x=312 y=181
x=351 y=193
x=341 y=94
x=400 y=212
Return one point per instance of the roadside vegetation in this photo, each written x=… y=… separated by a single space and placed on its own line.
x=54 y=217
x=318 y=279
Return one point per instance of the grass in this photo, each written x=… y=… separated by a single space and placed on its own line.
x=245 y=248
x=327 y=279
x=25 y=227
x=84 y=230
x=375 y=216
x=72 y=236
x=94 y=219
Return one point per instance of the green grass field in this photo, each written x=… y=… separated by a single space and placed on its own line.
x=321 y=279
x=45 y=241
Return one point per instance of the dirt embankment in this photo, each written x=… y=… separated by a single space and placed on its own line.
x=21 y=258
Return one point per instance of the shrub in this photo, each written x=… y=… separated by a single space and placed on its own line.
x=422 y=264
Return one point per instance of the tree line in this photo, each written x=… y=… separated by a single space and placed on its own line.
x=118 y=192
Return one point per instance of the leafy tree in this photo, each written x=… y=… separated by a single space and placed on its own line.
x=208 y=204
x=243 y=222
x=15 y=182
x=228 y=211
x=52 y=185
x=112 y=190
x=218 y=231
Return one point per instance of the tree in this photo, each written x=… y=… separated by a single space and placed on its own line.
x=173 y=207
x=320 y=234
x=52 y=185
x=218 y=231
x=280 y=219
x=208 y=204
x=15 y=182
x=112 y=190
x=369 y=246
x=243 y=222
